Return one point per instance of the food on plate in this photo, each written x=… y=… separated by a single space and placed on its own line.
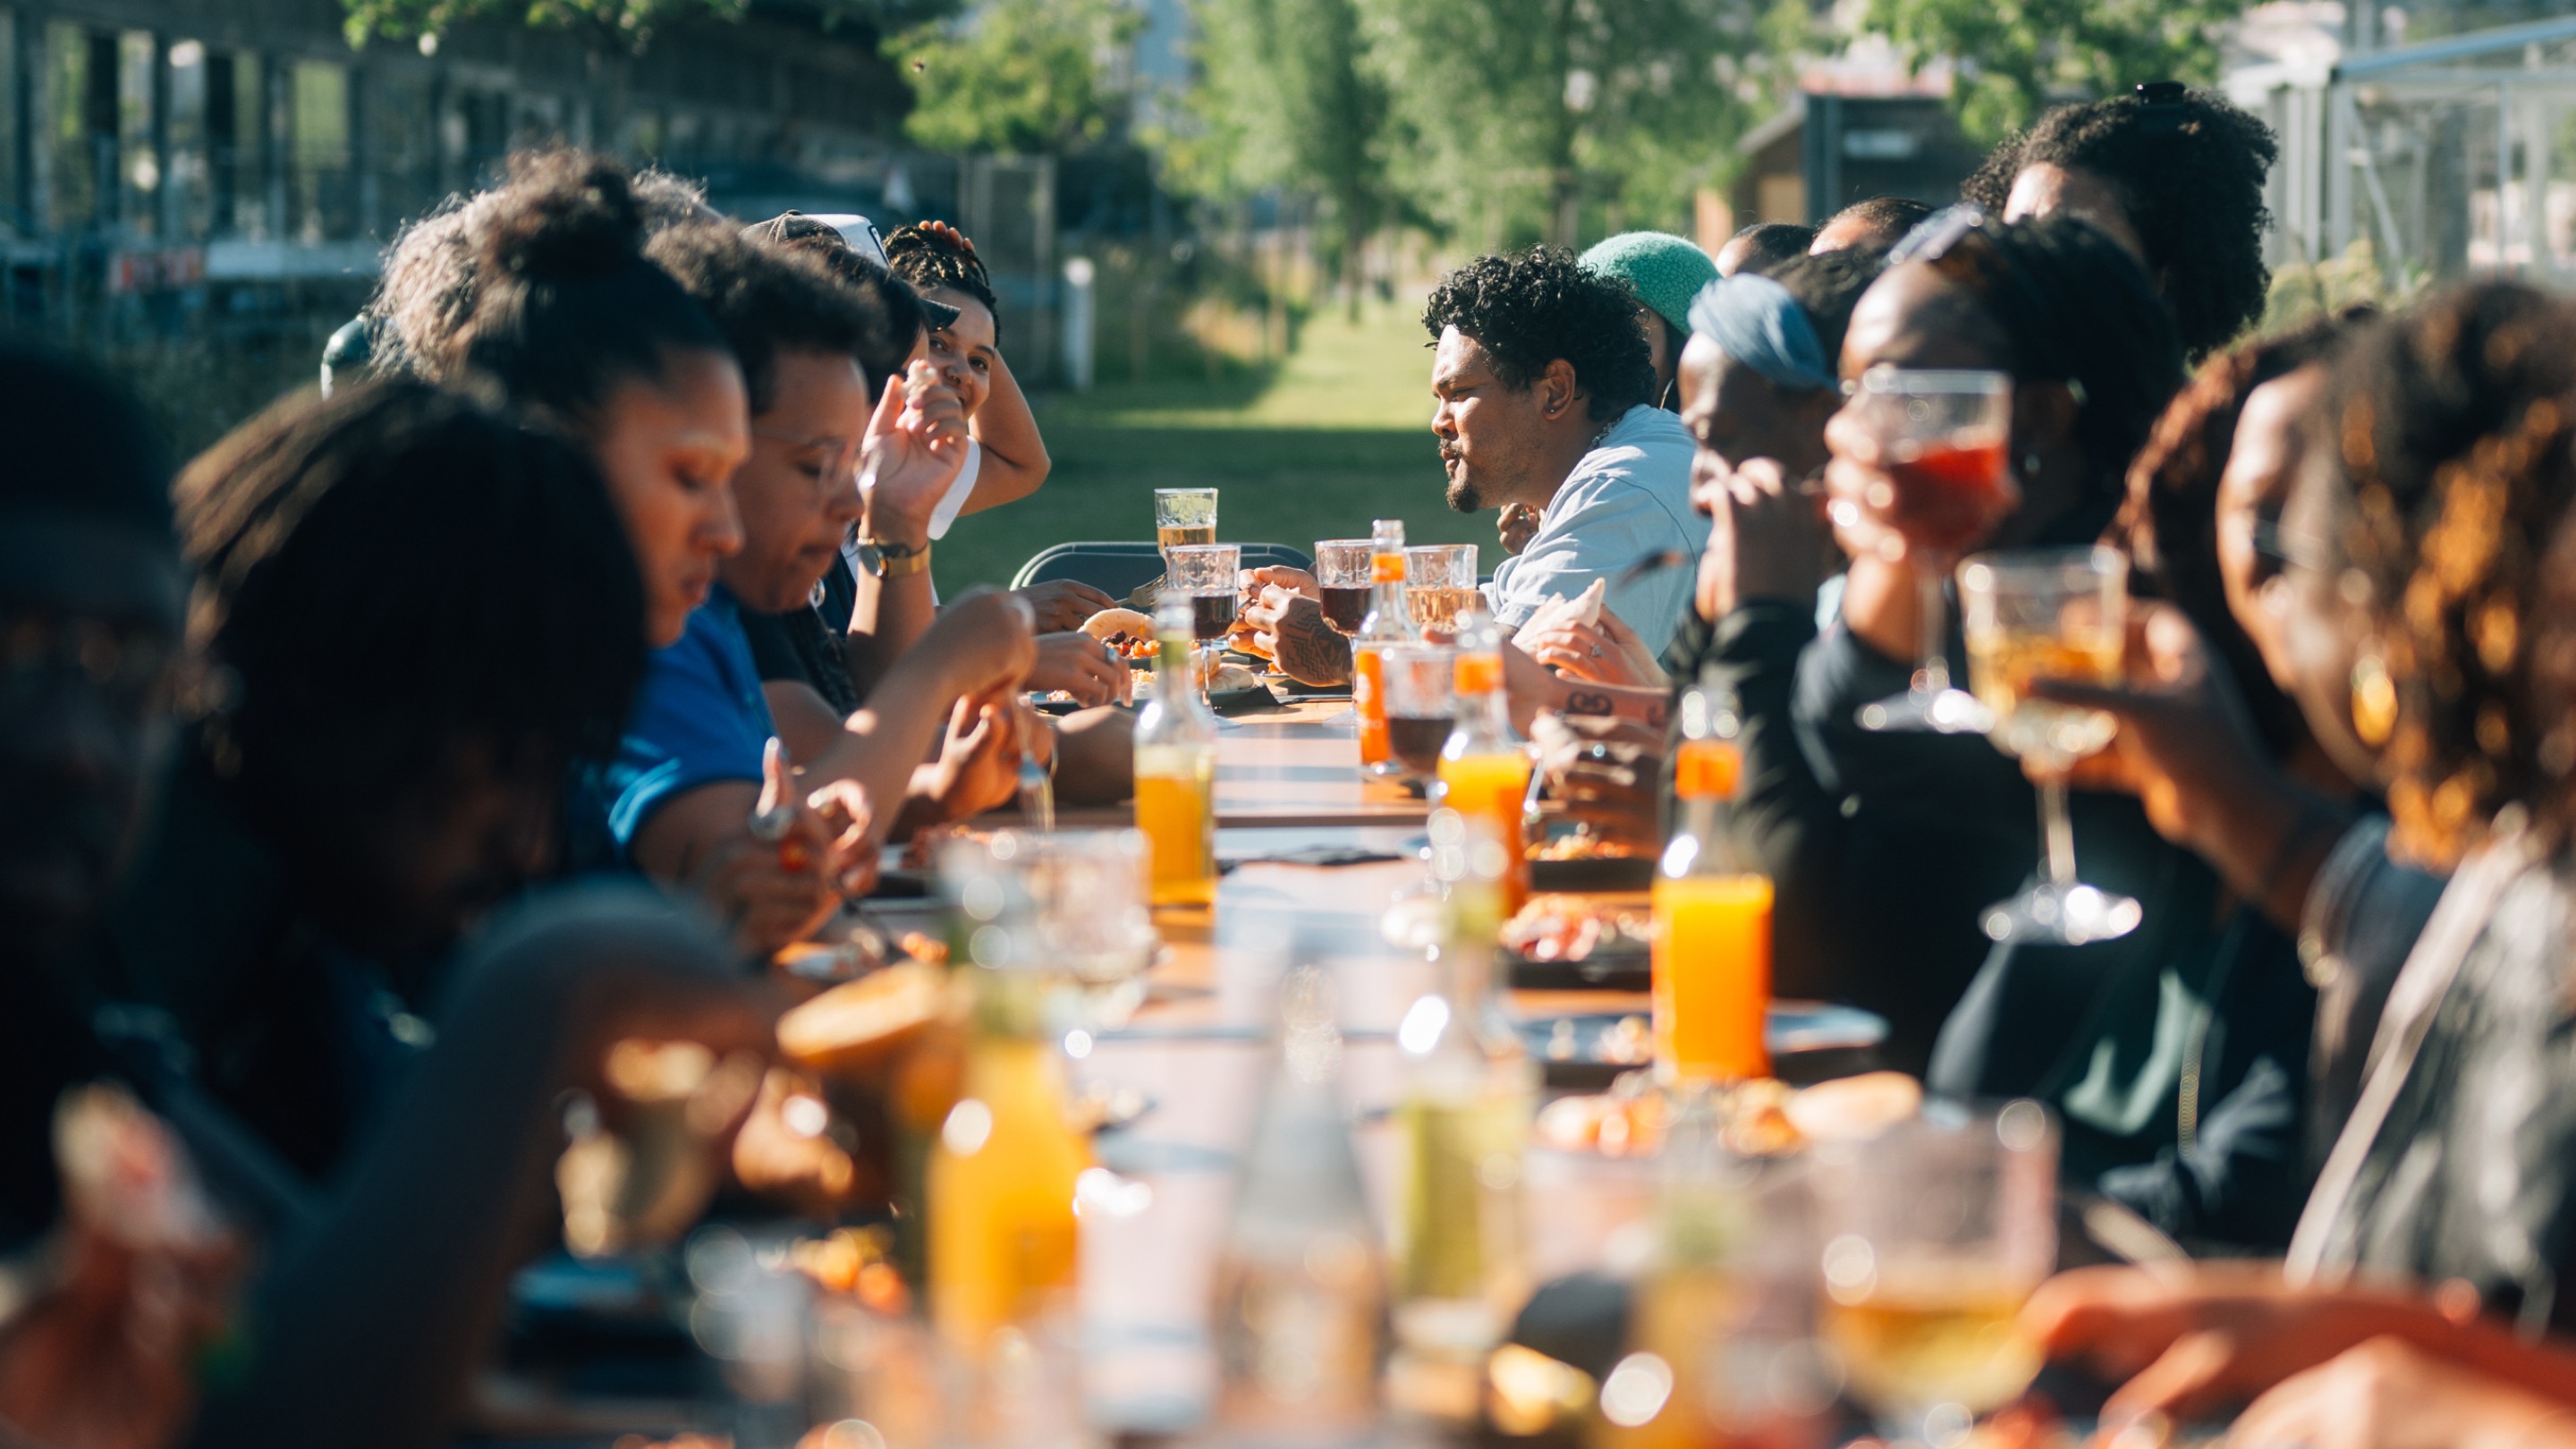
x=860 y=1025
x=1584 y=845
x=1855 y=1109
x=1128 y=634
x=1555 y=926
x=923 y=851
x=1230 y=677
x=1759 y=1118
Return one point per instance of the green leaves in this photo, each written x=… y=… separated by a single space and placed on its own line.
x=2020 y=55
x=1025 y=76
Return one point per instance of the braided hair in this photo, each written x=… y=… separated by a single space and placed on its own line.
x=2456 y=429
x=2188 y=170
x=930 y=259
x=2168 y=527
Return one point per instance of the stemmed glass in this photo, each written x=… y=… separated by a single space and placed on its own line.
x=1440 y=585
x=1942 y=442
x=1207 y=575
x=1183 y=515
x=2035 y=615
x=1342 y=583
x=1936 y=1232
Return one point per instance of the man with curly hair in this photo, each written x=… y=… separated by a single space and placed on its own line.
x=2175 y=176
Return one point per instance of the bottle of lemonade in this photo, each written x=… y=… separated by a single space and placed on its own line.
x=1388 y=622
x=1003 y=1245
x=1176 y=769
x=1461 y=1116
x=1712 y=955
x=1485 y=768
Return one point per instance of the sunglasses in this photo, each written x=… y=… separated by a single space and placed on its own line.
x=1959 y=243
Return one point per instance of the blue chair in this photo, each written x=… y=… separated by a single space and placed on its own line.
x=1116 y=569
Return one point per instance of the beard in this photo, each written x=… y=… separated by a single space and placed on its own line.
x=1462 y=493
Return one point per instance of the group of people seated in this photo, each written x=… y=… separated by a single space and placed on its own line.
x=382 y=785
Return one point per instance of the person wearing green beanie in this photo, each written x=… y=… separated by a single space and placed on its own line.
x=1665 y=272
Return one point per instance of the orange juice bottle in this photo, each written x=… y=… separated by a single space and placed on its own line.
x=1388 y=622
x=1484 y=768
x=1004 y=1248
x=1712 y=953
x=1176 y=771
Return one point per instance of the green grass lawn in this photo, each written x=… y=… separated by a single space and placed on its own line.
x=1337 y=434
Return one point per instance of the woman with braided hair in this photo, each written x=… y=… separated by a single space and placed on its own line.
x=1008 y=460
x=2431 y=542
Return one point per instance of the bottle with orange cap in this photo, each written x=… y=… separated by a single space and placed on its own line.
x=1485 y=767
x=1388 y=623
x=1712 y=952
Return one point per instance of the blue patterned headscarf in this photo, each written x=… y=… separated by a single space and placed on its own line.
x=1754 y=320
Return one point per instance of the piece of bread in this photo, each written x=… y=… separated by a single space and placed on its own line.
x=1119 y=621
x=1232 y=677
x=859 y=1025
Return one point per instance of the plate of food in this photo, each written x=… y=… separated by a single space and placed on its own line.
x=1809 y=1040
x=1577 y=860
x=1562 y=941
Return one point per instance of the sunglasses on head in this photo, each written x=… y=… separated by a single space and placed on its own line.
x=1959 y=243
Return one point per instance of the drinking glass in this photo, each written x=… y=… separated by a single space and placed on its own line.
x=1090 y=919
x=1342 y=579
x=2048 y=614
x=1183 y=515
x=1440 y=585
x=1208 y=575
x=1421 y=703
x=1935 y=1233
x=1942 y=439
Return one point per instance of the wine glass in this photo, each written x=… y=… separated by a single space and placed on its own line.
x=1936 y=1232
x=1942 y=439
x=1343 y=584
x=1421 y=706
x=1207 y=574
x=1440 y=585
x=1183 y=515
x=2049 y=614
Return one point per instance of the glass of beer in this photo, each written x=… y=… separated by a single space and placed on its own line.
x=1936 y=1232
x=1440 y=585
x=1421 y=702
x=2033 y=615
x=1942 y=437
x=1183 y=515
x=1208 y=575
x=1342 y=580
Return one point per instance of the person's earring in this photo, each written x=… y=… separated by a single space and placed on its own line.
x=2374 y=698
x=2030 y=464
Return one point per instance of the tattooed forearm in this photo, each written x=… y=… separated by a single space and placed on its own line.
x=1309 y=651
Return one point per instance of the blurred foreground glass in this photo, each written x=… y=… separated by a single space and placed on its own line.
x=1342 y=580
x=1942 y=439
x=1440 y=585
x=882 y=1381
x=1420 y=685
x=2043 y=614
x=1183 y=515
x=1077 y=911
x=1935 y=1234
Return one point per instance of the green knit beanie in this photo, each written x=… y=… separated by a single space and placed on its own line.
x=1664 y=270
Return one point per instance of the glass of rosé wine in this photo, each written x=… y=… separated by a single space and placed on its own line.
x=1942 y=443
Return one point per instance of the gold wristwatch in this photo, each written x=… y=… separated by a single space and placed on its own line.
x=894 y=560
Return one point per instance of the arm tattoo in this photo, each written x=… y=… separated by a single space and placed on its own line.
x=1588 y=701
x=1309 y=650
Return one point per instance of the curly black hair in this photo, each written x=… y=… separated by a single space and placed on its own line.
x=1827 y=287
x=1529 y=310
x=763 y=298
x=542 y=285
x=2456 y=428
x=897 y=318
x=1769 y=244
x=1888 y=218
x=2188 y=172
x=2169 y=526
x=929 y=259
x=323 y=532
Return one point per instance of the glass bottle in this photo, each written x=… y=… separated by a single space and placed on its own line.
x=1388 y=622
x=1485 y=767
x=1176 y=769
x=1004 y=1248
x=1300 y=1320
x=1462 y=1114
x=1712 y=951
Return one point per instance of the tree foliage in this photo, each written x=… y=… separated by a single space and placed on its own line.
x=1026 y=76
x=2015 y=56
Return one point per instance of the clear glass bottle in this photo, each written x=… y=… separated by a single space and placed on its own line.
x=1388 y=623
x=1176 y=769
x=1462 y=1116
x=1004 y=1245
x=1485 y=766
x=1300 y=1320
x=1712 y=952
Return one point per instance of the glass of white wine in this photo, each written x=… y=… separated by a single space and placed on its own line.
x=1936 y=1232
x=2049 y=614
